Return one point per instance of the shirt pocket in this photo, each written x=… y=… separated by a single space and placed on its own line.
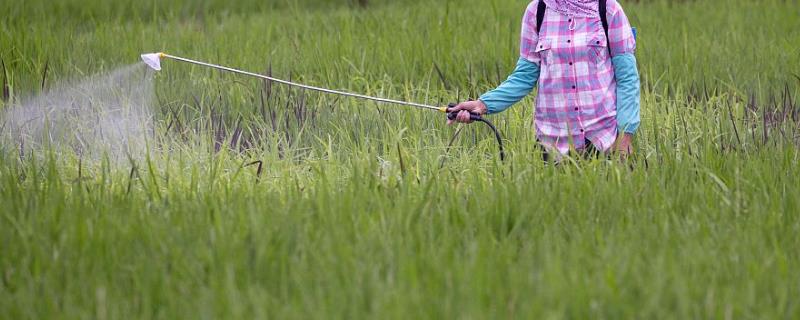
x=543 y=51
x=598 y=50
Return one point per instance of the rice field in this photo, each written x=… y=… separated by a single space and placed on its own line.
x=255 y=200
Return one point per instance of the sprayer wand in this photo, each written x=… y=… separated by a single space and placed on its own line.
x=153 y=60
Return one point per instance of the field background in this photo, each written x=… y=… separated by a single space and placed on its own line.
x=363 y=210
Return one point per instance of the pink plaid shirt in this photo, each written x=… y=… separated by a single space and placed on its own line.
x=577 y=91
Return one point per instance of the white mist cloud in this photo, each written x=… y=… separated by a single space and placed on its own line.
x=105 y=114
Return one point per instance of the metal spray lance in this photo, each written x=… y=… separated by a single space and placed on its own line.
x=153 y=60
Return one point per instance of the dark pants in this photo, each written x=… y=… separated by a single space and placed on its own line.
x=588 y=151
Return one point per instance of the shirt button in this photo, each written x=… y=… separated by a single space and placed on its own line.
x=581 y=130
x=568 y=41
x=573 y=87
x=598 y=42
x=576 y=108
x=570 y=20
x=570 y=63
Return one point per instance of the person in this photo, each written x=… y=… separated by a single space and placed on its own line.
x=588 y=97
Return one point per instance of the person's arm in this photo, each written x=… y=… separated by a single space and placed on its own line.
x=628 y=93
x=623 y=45
x=518 y=85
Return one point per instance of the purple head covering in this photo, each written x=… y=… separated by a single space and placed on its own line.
x=575 y=8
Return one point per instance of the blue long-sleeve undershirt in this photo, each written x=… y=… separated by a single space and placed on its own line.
x=520 y=83
x=628 y=92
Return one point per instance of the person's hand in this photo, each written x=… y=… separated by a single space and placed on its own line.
x=624 y=145
x=465 y=108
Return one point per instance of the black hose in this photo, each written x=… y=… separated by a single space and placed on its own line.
x=478 y=118
x=496 y=135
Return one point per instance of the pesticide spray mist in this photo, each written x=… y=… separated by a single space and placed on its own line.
x=106 y=115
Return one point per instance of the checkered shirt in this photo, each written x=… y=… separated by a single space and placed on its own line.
x=577 y=92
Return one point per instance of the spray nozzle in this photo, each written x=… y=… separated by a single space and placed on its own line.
x=153 y=60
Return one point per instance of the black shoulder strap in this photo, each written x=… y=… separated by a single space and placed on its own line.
x=540 y=15
x=604 y=20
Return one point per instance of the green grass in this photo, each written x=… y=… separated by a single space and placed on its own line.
x=352 y=216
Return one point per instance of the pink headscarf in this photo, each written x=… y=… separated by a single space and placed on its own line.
x=575 y=8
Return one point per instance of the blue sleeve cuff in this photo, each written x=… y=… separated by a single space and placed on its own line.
x=628 y=92
x=518 y=85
